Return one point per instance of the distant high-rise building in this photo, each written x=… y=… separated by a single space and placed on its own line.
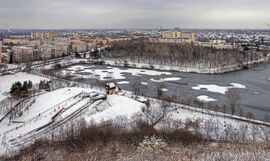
x=43 y=35
x=181 y=36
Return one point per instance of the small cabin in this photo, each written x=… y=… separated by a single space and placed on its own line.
x=111 y=88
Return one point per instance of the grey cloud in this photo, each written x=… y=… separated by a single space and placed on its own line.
x=134 y=13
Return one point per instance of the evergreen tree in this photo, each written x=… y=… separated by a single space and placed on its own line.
x=77 y=55
x=25 y=86
x=47 y=86
x=18 y=85
x=41 y=84
x=29 y=84
x=13 y=88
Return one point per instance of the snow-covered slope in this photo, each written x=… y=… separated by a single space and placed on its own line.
x=116 y=106
x=47 y=105
x=7 y=80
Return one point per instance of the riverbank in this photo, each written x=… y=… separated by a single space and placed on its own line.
x=201 y=69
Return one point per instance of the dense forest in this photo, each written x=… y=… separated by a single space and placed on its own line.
x=182 y=55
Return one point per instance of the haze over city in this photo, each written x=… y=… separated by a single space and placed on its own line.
x=67 y=14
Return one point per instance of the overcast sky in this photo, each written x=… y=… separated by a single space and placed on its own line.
x=49 y=14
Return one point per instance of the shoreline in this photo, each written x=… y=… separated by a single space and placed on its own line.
x=212 y=71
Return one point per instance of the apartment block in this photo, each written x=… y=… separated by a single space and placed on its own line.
x=176 y=36
x=43 y=35
x=22 y=54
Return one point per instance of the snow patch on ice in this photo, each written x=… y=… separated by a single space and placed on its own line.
x=256 y=93
x=218 y=89
x=165 y=79
x=164 y=89
x=111 y=73
x=123 y=82
x=204 y=98
x=80 y=67
x=144 y=83
x=237 y=85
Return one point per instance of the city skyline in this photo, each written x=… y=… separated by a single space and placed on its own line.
x=83 y=14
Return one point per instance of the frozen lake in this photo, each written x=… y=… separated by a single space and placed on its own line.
x=253 y=84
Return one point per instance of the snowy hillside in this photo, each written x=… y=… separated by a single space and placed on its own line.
x=25 y=129
x=7 y=80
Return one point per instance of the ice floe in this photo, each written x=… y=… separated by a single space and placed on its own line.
x=204 y=98
x=237 y=85
x=144 y=83
x=218 y=89
x=165 y=79
x=164 y=89
x=123 y=82
x=80 y=67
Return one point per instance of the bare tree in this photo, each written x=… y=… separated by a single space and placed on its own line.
x=243 y=129
x=233 y=98
x=209 y=128
x=160 y=93
x=155 y=113
x=254 y=132
x=136 y=87
x=265 y=133
x=29 y=67
x=183 y=55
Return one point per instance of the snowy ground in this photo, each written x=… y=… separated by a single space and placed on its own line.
x=39 y=114
x=211 y=124
x=115 y=107
x=49 y=104
x=7 y=80
x=214 y=125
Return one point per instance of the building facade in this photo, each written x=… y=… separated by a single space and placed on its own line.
x=9 y=41
x=78 y=46
x=22 y=54
x=48 y=51
x=43 y=35
x=176 y=36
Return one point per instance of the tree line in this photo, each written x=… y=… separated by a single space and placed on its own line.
x=19 y=89
x=182 y=55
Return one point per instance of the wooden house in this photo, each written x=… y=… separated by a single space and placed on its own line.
x=111 y=88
